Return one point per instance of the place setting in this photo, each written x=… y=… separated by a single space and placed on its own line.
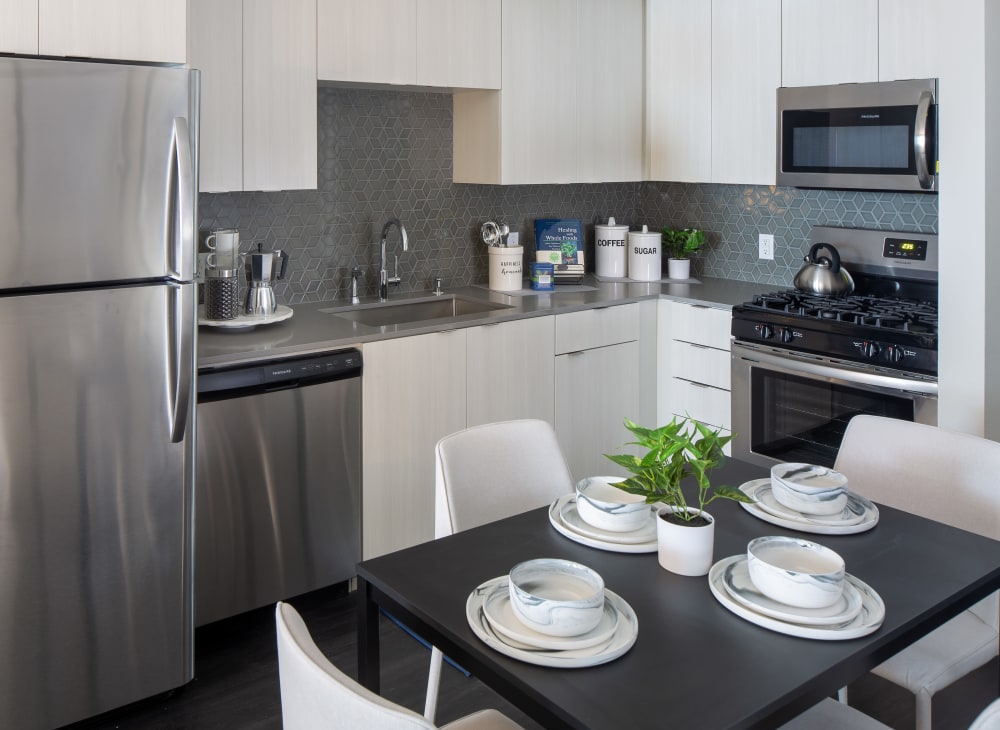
x=553 y=613
x=809 y=498
x=796 y=587
x=602 y=516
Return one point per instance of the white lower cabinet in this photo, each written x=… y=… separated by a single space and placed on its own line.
x=511 y=371
x=414 y=393
x=694 y=364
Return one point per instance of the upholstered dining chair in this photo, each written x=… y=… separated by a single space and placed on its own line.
x=315 y=695
x=485 y=473
x=946 y=476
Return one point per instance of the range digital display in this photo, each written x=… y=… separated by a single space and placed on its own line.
x=905 y=248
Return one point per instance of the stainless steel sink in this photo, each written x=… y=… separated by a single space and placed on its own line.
x=409 y=311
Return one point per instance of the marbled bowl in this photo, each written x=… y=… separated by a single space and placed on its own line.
x=609 y=508
x=810 y=489
x=556 y=597
x=795 y=572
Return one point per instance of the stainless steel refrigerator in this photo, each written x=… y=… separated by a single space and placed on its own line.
x=98 y=179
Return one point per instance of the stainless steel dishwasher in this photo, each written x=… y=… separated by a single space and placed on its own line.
x=278 y=487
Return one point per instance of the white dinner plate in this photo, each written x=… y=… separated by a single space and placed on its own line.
x=853 y=512
x=281 y=313
x=620 y=642
x=869 y=618
x=809 y=523
x=566 y=530
x=571 y=518
x=503 y=620
x=736 y=579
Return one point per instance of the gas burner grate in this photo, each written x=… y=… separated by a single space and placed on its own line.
x=904 y=315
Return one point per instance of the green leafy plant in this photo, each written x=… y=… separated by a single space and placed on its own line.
x=680 y=243
x=683 y=448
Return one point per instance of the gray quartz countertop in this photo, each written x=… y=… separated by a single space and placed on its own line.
x=310 y=330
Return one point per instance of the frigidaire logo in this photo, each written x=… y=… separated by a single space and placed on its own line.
x=869 y=116
x=286 y=371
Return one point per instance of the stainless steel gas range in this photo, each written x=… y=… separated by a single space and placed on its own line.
x=803 y=364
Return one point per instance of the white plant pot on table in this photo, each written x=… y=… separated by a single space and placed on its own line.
x=685 y=549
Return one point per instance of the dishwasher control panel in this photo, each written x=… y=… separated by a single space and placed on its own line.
x=279 y=373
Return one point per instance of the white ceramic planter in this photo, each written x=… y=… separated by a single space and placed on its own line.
x=685 y=549
x=679 y=268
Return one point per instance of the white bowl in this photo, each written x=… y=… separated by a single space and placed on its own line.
x=610 y=508
x=557 y=597
x=810 y=489
x=795 y=572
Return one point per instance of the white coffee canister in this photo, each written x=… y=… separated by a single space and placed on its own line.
x=644 y=261
x=506 y=267
x=612 y=249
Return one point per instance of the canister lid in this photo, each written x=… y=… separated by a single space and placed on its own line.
x=611 y=225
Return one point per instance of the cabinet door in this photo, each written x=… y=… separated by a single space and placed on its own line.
x=825 y=42
x=679 y=90
x=458 y=43
x=906 y=33
x=132 y=30
x=595 y=391
x=746 y=72
x=540 y=109
x=19 y=29
x=511 y=371
x=371 y=41
x=279 y=94
x=609 y=90
x=413 y=394
x=215 y=47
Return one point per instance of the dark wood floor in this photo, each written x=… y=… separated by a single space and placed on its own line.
x=236 y=678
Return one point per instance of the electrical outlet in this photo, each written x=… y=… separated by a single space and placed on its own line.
x=766 y=246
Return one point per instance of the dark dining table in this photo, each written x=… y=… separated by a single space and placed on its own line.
x=694 y=664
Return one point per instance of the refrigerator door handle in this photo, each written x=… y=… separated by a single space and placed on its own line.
x=180 y=328
x=182 y=245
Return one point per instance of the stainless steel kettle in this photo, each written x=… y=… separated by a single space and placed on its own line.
x=262 y=268
x=823 y=275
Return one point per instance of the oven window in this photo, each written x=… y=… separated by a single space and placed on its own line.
x=801 y=419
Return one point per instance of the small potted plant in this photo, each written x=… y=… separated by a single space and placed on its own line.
x=681 y=449
x=680 y=243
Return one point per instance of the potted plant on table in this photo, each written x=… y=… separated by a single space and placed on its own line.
x=681 y=449
x=680 y=244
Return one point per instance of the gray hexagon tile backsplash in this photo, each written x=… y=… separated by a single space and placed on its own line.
x=389 y=153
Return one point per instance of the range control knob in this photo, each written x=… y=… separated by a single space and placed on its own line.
x=893 y=353
x=785 y=334
x=870 y=349
x=764 y=331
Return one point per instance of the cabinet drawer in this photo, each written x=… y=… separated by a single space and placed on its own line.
x=701 y=402
x=700 y=324
x=699 y=363
x=596 y=328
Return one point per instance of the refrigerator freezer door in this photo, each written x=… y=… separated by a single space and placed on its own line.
x=95 y=501
x=96 y=172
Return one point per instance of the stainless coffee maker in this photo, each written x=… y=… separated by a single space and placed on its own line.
x=263 y=268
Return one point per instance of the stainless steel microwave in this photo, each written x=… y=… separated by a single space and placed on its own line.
x=872 y=136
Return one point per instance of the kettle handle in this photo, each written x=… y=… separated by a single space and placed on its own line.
x=284 y=264
x=834 y=256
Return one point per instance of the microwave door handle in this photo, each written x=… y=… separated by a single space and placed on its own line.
x=920 y=139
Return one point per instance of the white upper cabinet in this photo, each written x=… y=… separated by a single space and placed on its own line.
x=679 y=90
x=258 y=102
x=825 y=42
x=559 y=58
x=130 y=30
x=458 y=43
x=908 y=31
x=441 y=43
x=371 y=41
x=19 y=29
x=746 y=72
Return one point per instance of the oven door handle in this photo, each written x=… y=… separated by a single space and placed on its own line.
x=817 y=369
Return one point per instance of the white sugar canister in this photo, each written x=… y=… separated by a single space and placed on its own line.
x=612 y=249
x=644 y=261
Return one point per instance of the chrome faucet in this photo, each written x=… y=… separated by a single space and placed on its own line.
x=355 y=275
x=383 y=275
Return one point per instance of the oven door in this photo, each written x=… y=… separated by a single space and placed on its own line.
x=791 y=407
